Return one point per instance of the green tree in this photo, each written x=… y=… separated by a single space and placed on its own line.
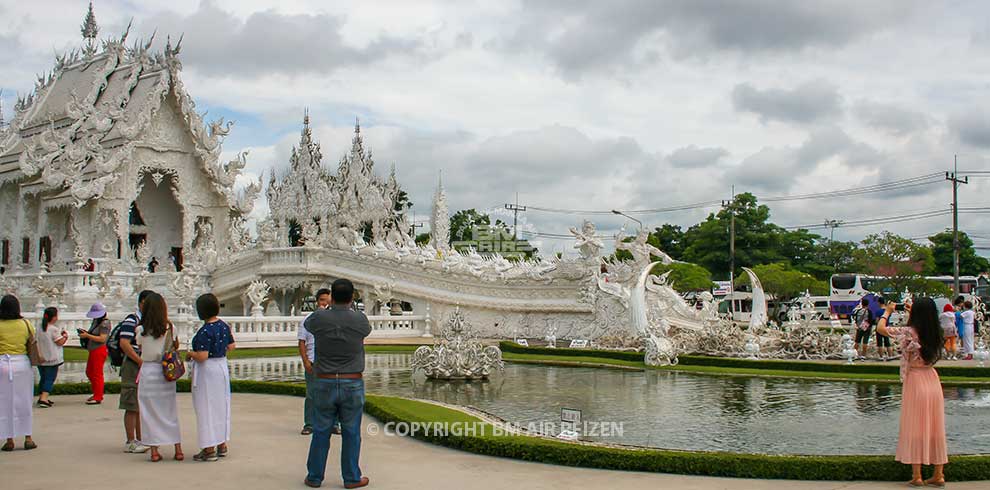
x=669 y=238
x=422 y=239
x=832 y=257
x=899 y=261
x=464 y=222
x=686 y=277
x=970 y=264
x=785 y=282
x=469 y=226
x=757 y=240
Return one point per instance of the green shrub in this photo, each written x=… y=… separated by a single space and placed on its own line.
x=879 y=468
x=732 y=362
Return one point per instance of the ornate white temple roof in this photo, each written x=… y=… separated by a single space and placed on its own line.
x=77 y=130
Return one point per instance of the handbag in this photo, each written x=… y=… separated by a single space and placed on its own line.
x=172 y=366
x=33 y=352
x=84 y=342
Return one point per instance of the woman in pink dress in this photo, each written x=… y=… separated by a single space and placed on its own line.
x=922 y=435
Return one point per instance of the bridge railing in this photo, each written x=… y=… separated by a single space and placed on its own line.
x=251 y=331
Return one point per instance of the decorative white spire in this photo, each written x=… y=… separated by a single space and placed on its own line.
x=89 y=31
x=440 y=219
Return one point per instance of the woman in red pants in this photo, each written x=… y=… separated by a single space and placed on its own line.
x=95 y=341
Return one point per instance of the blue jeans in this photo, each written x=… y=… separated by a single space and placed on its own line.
x=48 y=374
x=308 y=405
x=336 y=400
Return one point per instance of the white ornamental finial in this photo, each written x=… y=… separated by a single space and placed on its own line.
x=89 y=31
x=89 y=28
x=440 y=219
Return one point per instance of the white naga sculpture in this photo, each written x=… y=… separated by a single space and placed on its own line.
x=257 y=293
x=659 y=349
x=457 y=354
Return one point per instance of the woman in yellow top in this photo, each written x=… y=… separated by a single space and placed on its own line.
x=16 y=375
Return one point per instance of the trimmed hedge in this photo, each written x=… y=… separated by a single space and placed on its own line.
x=767 y=364
x=878 y=468
x=528 y=448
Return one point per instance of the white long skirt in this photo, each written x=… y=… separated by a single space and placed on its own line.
x=16 y=396
x=968 y=337
x=157 y=402
x=211 y=399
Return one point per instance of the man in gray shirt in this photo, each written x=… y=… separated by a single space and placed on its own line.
x=338 y=392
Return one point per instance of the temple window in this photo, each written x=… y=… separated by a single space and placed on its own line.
x=5 y=252
x=26 y=250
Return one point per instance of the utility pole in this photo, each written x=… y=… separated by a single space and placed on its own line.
x=731 y=206
x=954 y=178
x=832 y=224
x=515 y=208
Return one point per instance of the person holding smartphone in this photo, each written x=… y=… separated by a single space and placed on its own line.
x=922 y=425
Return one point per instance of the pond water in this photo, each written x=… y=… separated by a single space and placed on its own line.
x=669 y=410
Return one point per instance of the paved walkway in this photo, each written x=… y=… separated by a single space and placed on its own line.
x=83 y=445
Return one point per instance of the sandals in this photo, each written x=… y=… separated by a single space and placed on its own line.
x=156 y=457
x=206 y=456
x=935 y=483
x=8 y=447
x=45 y=404
x=222 y=451
x=94 y=402
x=179 y=456
x=307 y=430
x=29 y=445
x=916 y=483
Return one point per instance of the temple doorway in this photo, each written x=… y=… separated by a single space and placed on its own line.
x=156 y=219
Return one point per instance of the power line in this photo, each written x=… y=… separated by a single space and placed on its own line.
x=876 y=221
x=917 y=181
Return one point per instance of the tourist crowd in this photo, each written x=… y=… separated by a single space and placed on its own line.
x=144 y=346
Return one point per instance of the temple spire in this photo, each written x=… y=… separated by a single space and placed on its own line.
x=440 y=218
x=89 y=31
x=2 y=124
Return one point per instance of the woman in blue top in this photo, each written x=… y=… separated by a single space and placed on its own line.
x=211 y=379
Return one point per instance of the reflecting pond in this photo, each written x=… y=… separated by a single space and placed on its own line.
x=669 y=410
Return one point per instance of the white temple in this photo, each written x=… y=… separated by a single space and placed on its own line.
x=108 y=159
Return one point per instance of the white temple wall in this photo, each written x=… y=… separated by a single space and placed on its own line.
x=10 y=211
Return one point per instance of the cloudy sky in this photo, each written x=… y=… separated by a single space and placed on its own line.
x=632 y=104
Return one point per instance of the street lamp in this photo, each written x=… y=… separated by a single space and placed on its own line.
x=620 y=213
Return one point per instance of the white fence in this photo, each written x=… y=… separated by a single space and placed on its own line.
x=254 y=331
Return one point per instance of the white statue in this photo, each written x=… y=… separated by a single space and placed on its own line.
x=589 y=244
x=640 y=250
x=257 y=293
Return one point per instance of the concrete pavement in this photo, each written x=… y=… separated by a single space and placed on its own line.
x=81 y=447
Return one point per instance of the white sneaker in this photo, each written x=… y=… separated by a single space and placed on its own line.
x=128 y=446
x=137 y=447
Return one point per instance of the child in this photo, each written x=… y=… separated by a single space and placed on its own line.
x=948 y=322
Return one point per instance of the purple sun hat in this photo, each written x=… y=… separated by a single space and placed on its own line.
x=96 y=311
